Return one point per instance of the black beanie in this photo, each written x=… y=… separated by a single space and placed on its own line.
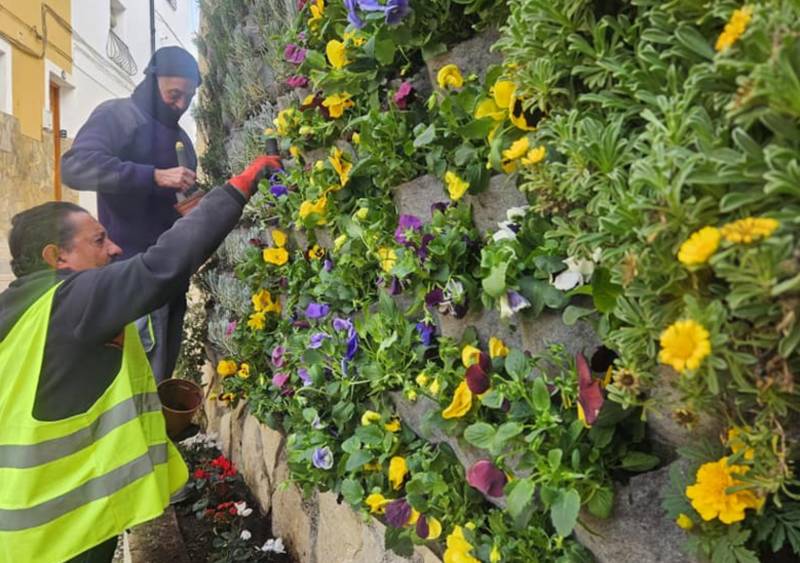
x=173 y=61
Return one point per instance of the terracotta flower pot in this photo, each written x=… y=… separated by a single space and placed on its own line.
x=180 y=399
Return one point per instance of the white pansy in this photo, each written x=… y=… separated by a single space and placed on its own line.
x=505 y=232
x=275 y=546
x=579 y=271
x=505 y=308
x=516 y=212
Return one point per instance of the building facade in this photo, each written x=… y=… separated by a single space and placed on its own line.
x=59 y=59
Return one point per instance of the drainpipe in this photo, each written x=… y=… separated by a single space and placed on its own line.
x=152 y=27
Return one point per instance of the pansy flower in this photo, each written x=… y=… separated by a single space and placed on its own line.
x=590 y=394
x=322 y=458
x=407 y=225
x=487 y=478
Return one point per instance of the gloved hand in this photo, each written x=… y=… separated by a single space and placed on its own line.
x=247 y=181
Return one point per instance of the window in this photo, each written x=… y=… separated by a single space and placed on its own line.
x=173 y=4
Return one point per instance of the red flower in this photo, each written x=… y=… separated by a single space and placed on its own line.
x=590 y=396
x=200 y=474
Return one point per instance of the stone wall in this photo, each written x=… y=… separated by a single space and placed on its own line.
x=26 y=179
x=318 y=529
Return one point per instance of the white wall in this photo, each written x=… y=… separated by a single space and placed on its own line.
x=97 y=78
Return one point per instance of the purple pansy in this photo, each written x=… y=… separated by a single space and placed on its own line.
x=352 y=14
x=487 y=478
x=322 y=458
x=278 y=190
x=517 y=302
x=403 y=95
x=422 y=528
x=304 y=376
x=327 y=265
x=294 y=54
x=440 y=206
x=352 y=340
x=277 y=356
x=342 y=324
x=297 y=81
x=427 y=332
x=396 y=10
x=280 y=379
x=434 y=297
x=422 y=251
x=406 y=225
x=477 y=379
x=398 y=512
x=317 y=339
x=317 y=310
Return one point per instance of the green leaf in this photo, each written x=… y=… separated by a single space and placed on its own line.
x=384 y=51
x=572 y=314
x=541 y=396
x=689 y=37
x=602 y=503
x=433 y=49
x=519 y=496
x=516 y=364
x=639 y=461
x=493 y=399
x=564 y=511
x=480 y=435
x=554 y=458
x=476 y=129
x=504 y=433
x=357 y=459
x=495 y=283
x=426 y=137
x=352 y=491
x=604 y=291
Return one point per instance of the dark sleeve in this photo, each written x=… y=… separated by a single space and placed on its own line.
x=94 y=163
x=97 y=304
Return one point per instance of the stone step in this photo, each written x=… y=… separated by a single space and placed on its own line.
x=158 y=541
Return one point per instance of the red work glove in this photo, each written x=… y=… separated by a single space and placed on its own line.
x=247 y=181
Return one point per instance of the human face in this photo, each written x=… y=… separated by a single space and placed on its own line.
x=90 y=248
x=177 y=92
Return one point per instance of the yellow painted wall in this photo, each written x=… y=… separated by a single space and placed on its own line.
x=23 y=24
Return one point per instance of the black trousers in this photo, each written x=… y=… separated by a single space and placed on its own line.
x=102 y=553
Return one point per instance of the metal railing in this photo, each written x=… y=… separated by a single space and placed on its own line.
x=118 y=51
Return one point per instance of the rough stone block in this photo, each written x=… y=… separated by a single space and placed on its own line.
x=374 y=550
x=225 y=434
x=471 y=56
x=664 y=430
x=272 y=443
x=638 y=530
x=417 y=196
x=294 y=519
x=489 y=207
x=340 y=532
x=238 y=416
x=487 y=323
x=548 y=328
x=254 y=464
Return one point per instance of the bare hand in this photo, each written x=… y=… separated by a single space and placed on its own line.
x=178 y=178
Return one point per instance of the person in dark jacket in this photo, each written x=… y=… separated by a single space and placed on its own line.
x=98 y=295
x=126 y=152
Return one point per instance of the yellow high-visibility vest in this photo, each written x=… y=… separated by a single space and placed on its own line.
x=69 y=485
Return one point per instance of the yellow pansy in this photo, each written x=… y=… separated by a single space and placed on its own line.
x=356 y=138
x=387 y=257
x=226 y=368
x=317 y=9
x=449 y=76
x=497 y=348
x=488 y=108
x=456 y=187
x=393 y=426
x=341 y=166
x=458 y=548
x=276 y=256
x=262 y=301
x=294 y=151
x=337 y=103
x=376 y=502
x=502 y=93
x=494 y=556
x=461 y=403
x=339 y=242
x=684 y=345
x=421 y=379
x=516 y=113
x=361 y=214
x=369 y=417
x=470 y=355
x=434 y=387
x=316 y=252
x=354 y=38
x=284 y=121
x=434 y=528
x=279 y=238
x=318 y=207
x=513 y=153
x=336 y=54
x=398 y=469
x=534 y=156
x=257 y=321
x=373 y=466
x=244 y=370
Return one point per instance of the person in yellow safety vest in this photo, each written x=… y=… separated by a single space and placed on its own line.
x=84 y=453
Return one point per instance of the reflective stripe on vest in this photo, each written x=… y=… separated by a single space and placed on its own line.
x=68 y=485
x=20 y=457
x=99 y=487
